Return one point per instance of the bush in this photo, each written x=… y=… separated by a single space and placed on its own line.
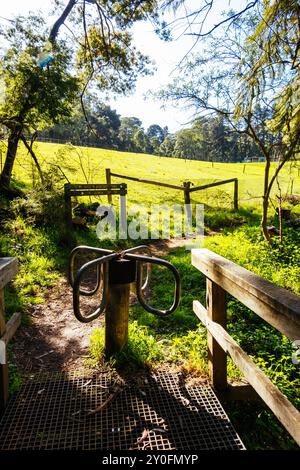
x=41 y=207
x=279 y=262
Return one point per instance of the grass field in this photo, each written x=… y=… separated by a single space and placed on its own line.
x=82 y=165
x=178 y=339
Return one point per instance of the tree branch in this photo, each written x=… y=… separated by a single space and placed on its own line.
x=229 y=18
x=30 y=150
x=60 y=21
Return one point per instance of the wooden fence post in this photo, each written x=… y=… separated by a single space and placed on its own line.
x=123 y=212
x=3 y=367
x=236 y=195
x=108 y=182
x=116 y=319
x=217 y=358
x=187 y=197
x=68 y=206
x=188 y=209
x=121 y=275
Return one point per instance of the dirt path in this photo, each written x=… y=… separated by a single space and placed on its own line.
x=54 y=339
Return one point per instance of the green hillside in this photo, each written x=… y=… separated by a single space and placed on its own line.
x=81 y=164
x=33 y=231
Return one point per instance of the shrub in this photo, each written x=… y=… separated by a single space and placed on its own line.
x=41 y=207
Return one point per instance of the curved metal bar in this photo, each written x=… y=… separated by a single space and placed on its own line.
x=136 y=248
x=177 y=292
x=103 y=261
x=147 y=280
x=71 y=268
x=102 y=264
x=133 y=250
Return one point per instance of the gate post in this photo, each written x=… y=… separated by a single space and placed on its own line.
x=121 y=273
x=8 y=269
x=186 y=190
x=68 y=206
x=217 y=358
x=236 y=195
x=108 y=182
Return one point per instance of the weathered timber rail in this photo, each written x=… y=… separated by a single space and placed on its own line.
x=275 y=305
x=218 y=183
x=8 y=269
x=76 y=190
x=185 y=187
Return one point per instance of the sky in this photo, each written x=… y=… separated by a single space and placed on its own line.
x=166 y=56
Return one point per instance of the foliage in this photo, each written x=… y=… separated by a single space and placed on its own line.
x=248 y=74
x=141 y=350
x=208 y=139
x=166 y=148
x=80 y=164
x=36 y=251
x=178 y=339
x=102 y=55
x=15 y=377
x=111 y=59
x=101 y=130
x=101 y=126
x=245 y=246
x=273 y=49
x=32 y=96
x=41 y=208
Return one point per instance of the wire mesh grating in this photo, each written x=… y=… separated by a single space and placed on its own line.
x=59 y=411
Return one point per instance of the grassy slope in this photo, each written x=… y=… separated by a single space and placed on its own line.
x=172 y=170
x=183 y=341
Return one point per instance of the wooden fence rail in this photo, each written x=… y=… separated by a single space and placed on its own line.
x=75 y=190
x=218 y=183
x=186 y=186
x=142 y=180
x=8 y=269
x=277 y=306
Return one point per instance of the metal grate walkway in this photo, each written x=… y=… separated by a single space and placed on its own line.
x=60 y=411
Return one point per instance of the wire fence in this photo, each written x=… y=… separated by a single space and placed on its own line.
x=54 y=140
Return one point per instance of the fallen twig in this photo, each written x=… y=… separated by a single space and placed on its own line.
x=106 y=403
x=45 y=354
x=100 y=386
x=87 y=383
x=143 y=436
x=158 y=430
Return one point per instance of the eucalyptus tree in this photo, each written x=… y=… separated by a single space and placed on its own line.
x=248 y=74
x=32 y=97
x=98 y=54
x=166 y=149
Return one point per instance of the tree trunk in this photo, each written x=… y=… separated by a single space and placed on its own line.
x=268 y=184
x=264 y=219
x=30 y=150
x=12 y=147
